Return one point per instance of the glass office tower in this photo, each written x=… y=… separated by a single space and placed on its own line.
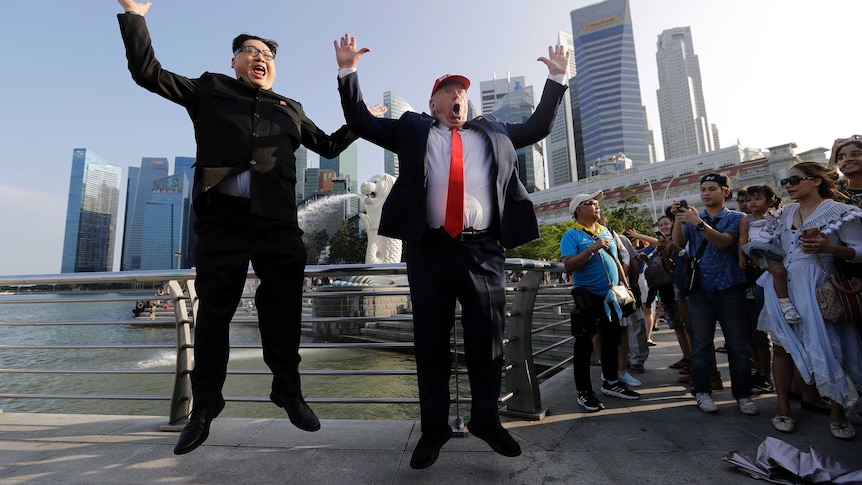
x=609 y=105
x=91 y=214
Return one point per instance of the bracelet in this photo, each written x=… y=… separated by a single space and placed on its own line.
x=592 y=253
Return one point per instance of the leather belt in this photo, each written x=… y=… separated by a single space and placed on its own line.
x=470 y=235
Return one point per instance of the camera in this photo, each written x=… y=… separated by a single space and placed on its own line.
x=683 y=204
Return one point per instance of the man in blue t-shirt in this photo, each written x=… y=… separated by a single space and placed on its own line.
x=719 y=294
x=589 y=254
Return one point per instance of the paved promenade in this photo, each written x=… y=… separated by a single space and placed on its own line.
x=662 y=438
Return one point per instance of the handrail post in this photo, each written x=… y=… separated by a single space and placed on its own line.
x=521 y=380
x=181 y=397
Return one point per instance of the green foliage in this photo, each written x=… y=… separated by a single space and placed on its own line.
x=315 y=242
x=624 y=214
x=547 y=247
x=347 y=245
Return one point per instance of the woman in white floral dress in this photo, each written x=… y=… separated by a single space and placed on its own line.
x=826 y=353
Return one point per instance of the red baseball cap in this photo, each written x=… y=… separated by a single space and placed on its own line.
x=450 y=78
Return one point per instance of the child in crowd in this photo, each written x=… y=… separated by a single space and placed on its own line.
x=755 y=235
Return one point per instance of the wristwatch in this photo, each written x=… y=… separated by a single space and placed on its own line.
x=701 y=226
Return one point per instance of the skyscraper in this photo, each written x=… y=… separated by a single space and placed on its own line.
x=345 y=165
x=684 y=126
x=611 y=114
x=494 y=90
x=301 y=155
x=138 y=193
x=166 y=214
x=562 y=159
x=91 y=214
x=396 y=106
x=183 y=165
x=517 y=106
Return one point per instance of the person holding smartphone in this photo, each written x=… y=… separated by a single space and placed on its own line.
x=814 y=232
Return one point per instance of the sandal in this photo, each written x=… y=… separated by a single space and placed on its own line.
x=842 y=431
x=785 y=424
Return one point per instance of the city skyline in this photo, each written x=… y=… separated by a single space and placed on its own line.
x=767 y=71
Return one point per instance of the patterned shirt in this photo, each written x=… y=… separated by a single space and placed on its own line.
x=719 y=268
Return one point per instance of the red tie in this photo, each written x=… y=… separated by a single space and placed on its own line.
x=455 y=200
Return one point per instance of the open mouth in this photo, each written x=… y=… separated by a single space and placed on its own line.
x=456 y=108
x=259 y=71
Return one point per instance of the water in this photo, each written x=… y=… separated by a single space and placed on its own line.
x=312 y=214
x=164 y=359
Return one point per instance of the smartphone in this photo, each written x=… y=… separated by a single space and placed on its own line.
x=659 y=235
x=683 y=204
x=810 y=232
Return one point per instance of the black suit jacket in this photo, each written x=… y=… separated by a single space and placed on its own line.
x=404 y=212
x=237 y=127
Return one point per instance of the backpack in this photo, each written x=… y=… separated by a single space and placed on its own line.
x=656 y=274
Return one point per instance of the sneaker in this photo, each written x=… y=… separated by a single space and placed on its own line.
x=747 y=406
x=705 y=403
x=762 y=383
x=589 y=401
x=619 y=390
x=628 y=379
x=790 y=314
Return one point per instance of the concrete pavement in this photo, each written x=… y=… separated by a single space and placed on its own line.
x=662 y=438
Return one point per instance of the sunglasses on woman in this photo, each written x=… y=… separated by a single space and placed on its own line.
x=794 y=180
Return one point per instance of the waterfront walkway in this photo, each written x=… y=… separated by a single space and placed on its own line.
x=662 y=438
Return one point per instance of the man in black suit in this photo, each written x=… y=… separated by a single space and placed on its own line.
x=465 y=262
x=245 y=203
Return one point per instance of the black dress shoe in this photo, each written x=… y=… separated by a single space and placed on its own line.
x=428 y=448
x=299 y=413
x=499 y=439
x=198 y=428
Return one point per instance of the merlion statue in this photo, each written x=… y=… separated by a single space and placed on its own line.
x=380 y=249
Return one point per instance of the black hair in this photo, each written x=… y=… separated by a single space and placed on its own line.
x=239 y=41
x=768 y=193
x=669 y=214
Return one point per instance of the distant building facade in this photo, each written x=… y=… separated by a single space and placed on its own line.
x=609 y=112
x=91 y=214
x=685 y=129
x=395 y=107
x=560 y=144
x=166 y=219
x=139 y=190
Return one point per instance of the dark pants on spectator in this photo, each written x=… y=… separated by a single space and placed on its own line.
x=596 y=320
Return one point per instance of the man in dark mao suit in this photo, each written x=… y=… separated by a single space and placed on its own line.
x=468 y=266
x=245 y=203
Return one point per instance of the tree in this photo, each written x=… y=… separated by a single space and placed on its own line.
x=347 y=245
x=547 y=247
x=315 y=242
x=627 y=214
x=624 y=214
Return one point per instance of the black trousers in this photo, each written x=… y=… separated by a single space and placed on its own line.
x=596 y=320
x=229 y=237
x=441 y=270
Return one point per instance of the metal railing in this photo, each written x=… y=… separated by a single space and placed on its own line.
x=537 y=333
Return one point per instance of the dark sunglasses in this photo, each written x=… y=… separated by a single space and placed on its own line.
x=794 y=180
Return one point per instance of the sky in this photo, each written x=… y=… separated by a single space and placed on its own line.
x=774 y=72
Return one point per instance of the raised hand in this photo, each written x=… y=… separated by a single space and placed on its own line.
x=557 y=60
x=377 y=111
x=136 y=7
x=345 y=52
